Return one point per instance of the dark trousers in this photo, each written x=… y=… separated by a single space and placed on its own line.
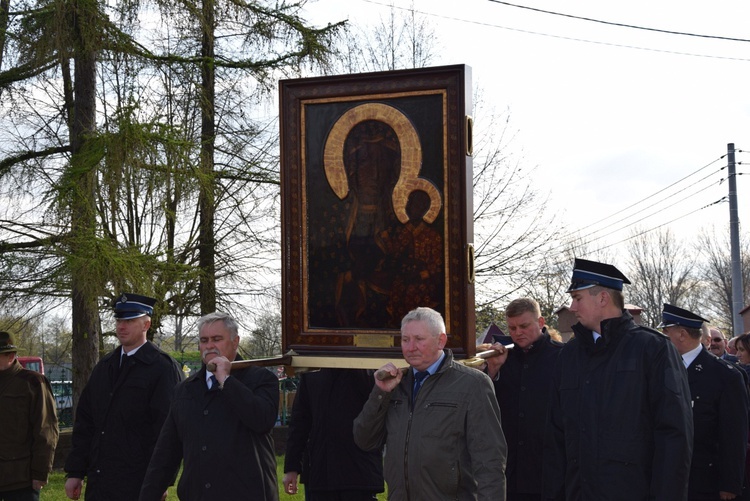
x=25 y=494
x=341 y=496
x=514 y=496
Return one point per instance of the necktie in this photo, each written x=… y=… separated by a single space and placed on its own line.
x=419 y=377
x=118 y=369
x=214 y=383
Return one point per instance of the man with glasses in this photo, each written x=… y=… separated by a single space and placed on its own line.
x=719 y=402
x=718 y=345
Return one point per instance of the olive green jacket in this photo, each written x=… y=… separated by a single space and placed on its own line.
x=447 y=446
x=28 y=427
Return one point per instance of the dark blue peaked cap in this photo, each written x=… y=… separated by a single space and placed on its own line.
x=672 y=315
x=133 y=306
x=588 y=274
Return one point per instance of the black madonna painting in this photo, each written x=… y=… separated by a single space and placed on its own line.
x=376 y=208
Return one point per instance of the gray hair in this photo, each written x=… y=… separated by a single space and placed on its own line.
x=433 y=319
x=229 y=323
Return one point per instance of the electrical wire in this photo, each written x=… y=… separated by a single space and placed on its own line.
x=722 y=199
x=662 y=190
x=622 y=25
x=681 y=201
x=555 y=254
x=559 y=37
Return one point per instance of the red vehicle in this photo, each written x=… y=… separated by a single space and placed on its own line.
x=32 y=363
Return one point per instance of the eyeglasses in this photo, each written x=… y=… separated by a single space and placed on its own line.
x=717 y=339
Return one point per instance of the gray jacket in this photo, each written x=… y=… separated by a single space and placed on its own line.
x=449 y=447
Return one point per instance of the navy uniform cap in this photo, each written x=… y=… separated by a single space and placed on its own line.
x=133 y=306
x=587 y=274
x=672 y=315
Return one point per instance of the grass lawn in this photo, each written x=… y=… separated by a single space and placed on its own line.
x=55 y=489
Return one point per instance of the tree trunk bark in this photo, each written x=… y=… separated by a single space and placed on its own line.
x=85 y=281
x=207 y=200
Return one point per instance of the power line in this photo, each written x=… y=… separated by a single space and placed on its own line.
x=648 y=197
x=560 y=251
x=555 y=254
x=560 y=37
x=622 y=25
x=722 y=199
x=683 y=200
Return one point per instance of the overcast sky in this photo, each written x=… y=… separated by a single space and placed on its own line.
x=609 y=115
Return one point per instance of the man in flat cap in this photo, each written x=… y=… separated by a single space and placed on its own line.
x=720 y=402
x=620 y=423
x=28 y=427
x=121 y=410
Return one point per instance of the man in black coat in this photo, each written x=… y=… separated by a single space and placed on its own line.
x=219 y=426
x=620 y=424
x=121 y=410
x=720 y=403
x=321 y=445
x=523 y=384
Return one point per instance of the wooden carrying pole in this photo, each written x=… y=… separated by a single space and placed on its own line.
x=475 y=361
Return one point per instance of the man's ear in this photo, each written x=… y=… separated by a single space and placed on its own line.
x=541 y=322
x=442 y=340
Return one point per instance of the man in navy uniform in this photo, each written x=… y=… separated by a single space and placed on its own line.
x=620 y=424
x=121 y=410
x=719 y=410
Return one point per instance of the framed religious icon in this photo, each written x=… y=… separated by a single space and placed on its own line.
x=376 y=185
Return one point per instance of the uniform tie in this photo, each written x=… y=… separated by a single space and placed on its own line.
x=119 y=368
x=419 y=377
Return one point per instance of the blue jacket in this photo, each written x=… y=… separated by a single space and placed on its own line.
x=620 y=426
x=118 y=421
x=720 y=401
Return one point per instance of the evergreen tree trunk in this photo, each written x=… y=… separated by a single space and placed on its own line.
x=84 y=282
x=207 y=201
x=4 y=6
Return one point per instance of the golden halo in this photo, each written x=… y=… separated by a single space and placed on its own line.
x=411 y=157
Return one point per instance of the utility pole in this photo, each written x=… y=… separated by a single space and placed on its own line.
x=734 y=235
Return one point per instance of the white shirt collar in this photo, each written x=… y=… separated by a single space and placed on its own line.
x=690 y=356
x=131 y=352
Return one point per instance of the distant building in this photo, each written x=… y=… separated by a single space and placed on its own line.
x=489 y=332
x=745 y=314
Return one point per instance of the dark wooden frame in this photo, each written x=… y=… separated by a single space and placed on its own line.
x=427 y=110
